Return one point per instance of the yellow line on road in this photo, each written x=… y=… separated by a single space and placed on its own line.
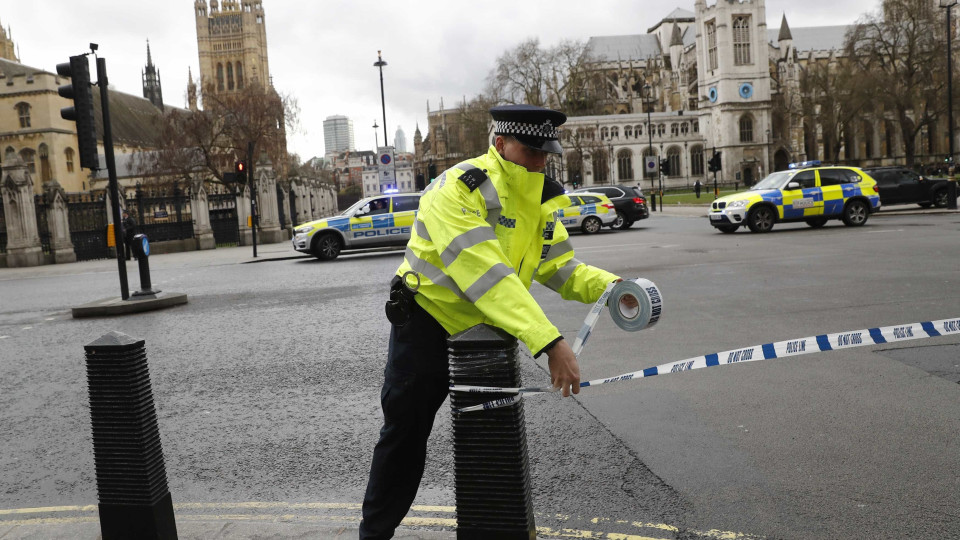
x=415 y=521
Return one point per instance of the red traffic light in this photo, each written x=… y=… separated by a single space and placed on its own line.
x=241 y=166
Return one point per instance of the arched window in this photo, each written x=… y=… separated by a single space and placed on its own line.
x=601 y=169
x=746 y=128
x=868 y=139
x=615 y=132
x=9 y=154
x=575 y=168
x=661 y=129
x=674 y=129
x=741 y=40
x=625 y=164
x=639 y=130
x=44 y=152
x=673 y=158
x=29 y=156
x=220 y=77
x=627 y=132
x=229 y=76
x=684 y=128
x=604 y=133
x=696 y=161
x=239 y=76
x=696 y=126
x=23 y=112
x=68 y=153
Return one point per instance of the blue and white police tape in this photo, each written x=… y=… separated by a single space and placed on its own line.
x=767 y=351
x=632 y=318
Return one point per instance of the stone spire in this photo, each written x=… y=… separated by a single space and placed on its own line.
x=785 y=34
x=152 y=89
x=191 y=91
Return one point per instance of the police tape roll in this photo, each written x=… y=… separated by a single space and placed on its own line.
x=766 y=351
x=649 y=308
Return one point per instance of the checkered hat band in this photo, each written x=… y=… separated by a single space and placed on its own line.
x=545 y=131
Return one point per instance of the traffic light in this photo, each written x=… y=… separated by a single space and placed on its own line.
x=665 y=166
x=714 y=164
x=82 y=110
x=240 y=171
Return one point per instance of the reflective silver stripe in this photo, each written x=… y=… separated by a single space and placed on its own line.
x=468 y=239
x=492 y=201
x=433 y=273
x=558 y=249
x=421 y=229
x=562 y=275
x=486 y=282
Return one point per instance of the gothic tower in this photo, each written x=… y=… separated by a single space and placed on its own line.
x=6 y=45
x=232 y=44
x=151 y=82
x=734 y=86
x=191 y=91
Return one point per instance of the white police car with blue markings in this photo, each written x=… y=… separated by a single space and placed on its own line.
x=588 y=212
x=373 y=222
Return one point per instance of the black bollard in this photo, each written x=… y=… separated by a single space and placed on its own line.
x=131 y=475
x=952 y=195
x=141 y=250
x=491 y=467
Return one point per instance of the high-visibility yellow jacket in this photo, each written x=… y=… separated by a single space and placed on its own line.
x=485 y=229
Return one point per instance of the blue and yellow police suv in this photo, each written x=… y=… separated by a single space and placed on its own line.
x=805 y=192
x=373 y=222
x=588 y=212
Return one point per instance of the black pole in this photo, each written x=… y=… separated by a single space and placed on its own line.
x=112 y=173
x=253 y=196
x=383 y=103
x=952 y=192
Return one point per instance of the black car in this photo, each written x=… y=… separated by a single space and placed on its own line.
x=902 y=185
x=629 y=202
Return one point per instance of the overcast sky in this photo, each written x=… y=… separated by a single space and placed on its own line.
x=322 y=52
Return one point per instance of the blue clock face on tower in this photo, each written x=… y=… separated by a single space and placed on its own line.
x=746 y=90
x=712 y=94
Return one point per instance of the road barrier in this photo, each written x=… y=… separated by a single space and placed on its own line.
x=131 y=475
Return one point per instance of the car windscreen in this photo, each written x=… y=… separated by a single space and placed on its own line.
x=353 y=208
x=774 y=180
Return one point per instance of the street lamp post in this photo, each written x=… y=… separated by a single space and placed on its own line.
x=383 y=103
x=648 y=103
x=948 y=4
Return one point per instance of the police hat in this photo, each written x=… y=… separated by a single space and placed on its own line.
x=533 y=126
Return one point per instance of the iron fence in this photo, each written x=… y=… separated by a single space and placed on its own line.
x=3 y=230
x=163 y=214
x=87 y=216
x=293 y=209
x=283 y=220
x=43 y=226
x=223 y=219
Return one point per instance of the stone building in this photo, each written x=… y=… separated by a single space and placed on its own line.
x=232 y=44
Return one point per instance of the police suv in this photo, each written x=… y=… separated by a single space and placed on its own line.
x=373 y=222
x=588 y=212
x=805 y=192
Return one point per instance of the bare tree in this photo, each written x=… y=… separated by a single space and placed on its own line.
x=209 y=141
x=555 y=77
x=834 y=92
x=897 y=52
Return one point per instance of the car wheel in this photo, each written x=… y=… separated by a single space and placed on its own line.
x=591 y=225
x=940 y=198
x=327 y=247
x=855 y=213
x=727 y=229
x=761 y=219
x=816 y=222
x=620 y=222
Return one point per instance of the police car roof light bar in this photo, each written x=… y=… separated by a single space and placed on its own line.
x=805 y=164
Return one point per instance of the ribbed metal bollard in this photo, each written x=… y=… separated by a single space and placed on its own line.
x=131 y=476
x=491 y=468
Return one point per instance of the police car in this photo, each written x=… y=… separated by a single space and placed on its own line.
x=588 y=212
x=805 y=192
x=373 y=222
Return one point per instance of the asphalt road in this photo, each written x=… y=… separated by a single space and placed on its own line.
x=267 y=385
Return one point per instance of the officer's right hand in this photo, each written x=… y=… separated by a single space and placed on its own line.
x=564 y=368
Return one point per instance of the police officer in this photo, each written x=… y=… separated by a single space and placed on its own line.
x=485 y=229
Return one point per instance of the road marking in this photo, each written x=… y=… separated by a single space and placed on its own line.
x=26 y=328
x=4 y=337
x=285 y=515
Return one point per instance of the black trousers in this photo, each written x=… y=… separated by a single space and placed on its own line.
x=416 y=382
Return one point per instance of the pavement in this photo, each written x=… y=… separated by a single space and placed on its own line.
x=281 y=520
